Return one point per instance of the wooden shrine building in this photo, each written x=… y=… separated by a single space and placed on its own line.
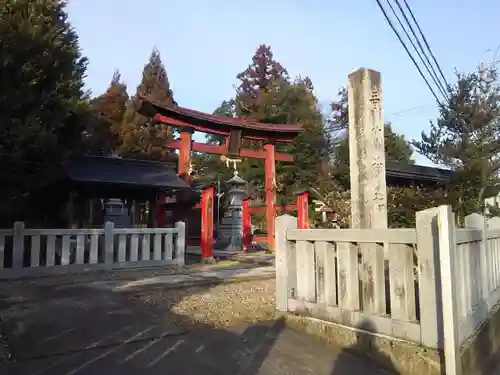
x=411 y=175
x=89 y=190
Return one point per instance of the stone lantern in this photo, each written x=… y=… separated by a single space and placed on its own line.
x=231 y=225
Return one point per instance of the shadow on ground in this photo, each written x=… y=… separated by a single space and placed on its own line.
x=86 y=329
x=364 y=344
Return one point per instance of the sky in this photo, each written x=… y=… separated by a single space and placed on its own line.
x=204 y=44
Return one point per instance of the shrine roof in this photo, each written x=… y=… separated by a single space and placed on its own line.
x=192 y=117
x=418 y=172
x=131 y=172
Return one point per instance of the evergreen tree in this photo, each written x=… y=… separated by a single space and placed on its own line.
x=111 y=105
x=339 y=121
x=108 y=109
x=41 y=92
x=397 y=149
x=261 y=76
x=265 y=93
x=466 y=138
x=226 y=108
x=140 y=138
x=297 y=104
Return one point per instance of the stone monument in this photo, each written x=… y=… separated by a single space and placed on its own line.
x=367 y=151
x=368 y=183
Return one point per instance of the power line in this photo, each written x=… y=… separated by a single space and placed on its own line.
x=407 y=50
x=425 y=42
x=434 y=75
x=400 y=113
x=496 y=54
x=412 y=110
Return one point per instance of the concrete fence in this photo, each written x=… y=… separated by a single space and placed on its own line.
x=31 y=252
x=431 y=290
x=470 y=282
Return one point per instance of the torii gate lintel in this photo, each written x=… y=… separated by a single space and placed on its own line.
x=234 y=130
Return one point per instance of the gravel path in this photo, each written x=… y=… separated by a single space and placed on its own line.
x=223 y=305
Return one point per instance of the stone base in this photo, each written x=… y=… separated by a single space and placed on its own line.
x=196 y=250
x=401 y=356
x=209 y=260
x=232 y=250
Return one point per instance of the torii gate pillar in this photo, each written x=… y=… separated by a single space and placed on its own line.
x=234 y=130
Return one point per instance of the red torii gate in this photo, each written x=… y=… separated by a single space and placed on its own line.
x=302 y=208
x=234 y=130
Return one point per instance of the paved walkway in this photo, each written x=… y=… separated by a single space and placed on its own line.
x=91 y=328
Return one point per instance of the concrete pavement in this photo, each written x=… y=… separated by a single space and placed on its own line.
x=91 y=328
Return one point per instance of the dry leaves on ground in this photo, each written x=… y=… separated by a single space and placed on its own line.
x=222 y=305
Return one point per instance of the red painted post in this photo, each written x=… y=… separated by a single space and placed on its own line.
x=185 y=151
x=246 y=219
x=160 y=213
x=303 y=210
x=207 y=222
x=182 y=170
x=270 y=182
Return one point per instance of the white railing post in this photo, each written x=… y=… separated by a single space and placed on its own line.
x=18 y=245
x=493 y=223
x=447 y=257
x=429 y=283
x=283 y=265
x=479 y=222
x=109 y=243
x=180 y=247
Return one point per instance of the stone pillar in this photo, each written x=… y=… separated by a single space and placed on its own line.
x=368 y=185
x=366 y=151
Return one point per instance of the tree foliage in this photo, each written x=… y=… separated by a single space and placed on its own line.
x=138 y=137
x=265 y=93
x=338 y=122
x=263 y=76
x=46 y=116
x=42 y=94
x=397 y=149
x=466 y=138
x=107 y=110
x=404 y=202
